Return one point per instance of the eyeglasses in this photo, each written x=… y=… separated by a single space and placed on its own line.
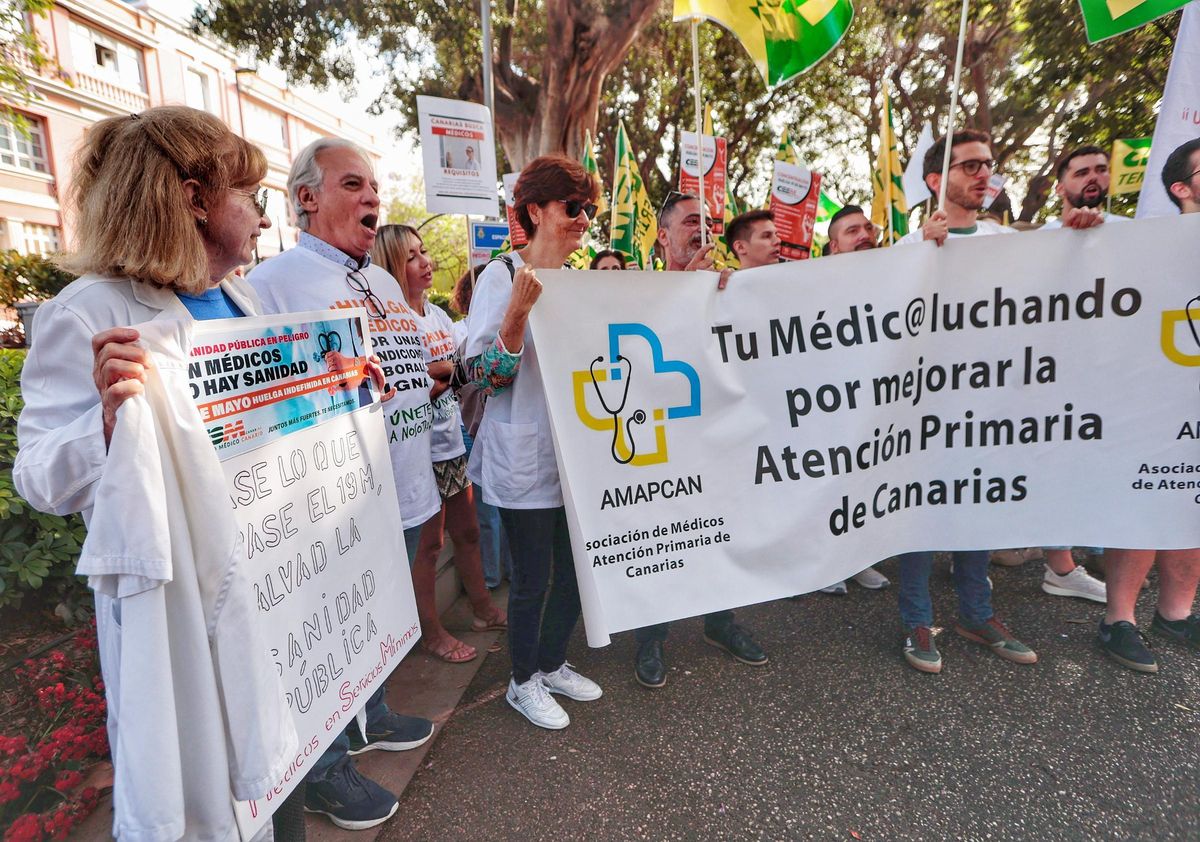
x=575 y=206
x=974 y=165
x=358 y=282
x=258 y=197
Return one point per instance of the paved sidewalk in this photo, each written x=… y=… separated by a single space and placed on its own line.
x=836 y=738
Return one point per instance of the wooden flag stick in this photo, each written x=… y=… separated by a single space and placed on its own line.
x=958 y=61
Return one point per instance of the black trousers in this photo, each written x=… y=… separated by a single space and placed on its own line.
x=716 y=622
x=543 y=597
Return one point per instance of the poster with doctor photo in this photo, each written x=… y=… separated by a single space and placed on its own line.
x=456 y=150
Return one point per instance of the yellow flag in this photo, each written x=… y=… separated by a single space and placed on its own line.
x=634 y=226
x=889 y=210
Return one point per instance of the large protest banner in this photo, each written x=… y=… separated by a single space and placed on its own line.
x=725 y=448
x=300 y=434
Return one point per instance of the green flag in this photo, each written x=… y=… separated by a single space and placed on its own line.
x=592 y=166
x=889 y=211
x=826 y=207
x=783 y=37
x=634 y=225
x=1106 y=18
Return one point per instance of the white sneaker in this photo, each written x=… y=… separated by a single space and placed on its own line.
x=871 y=579
x=532 y=701
x=571 y=684
x=837 y=589
x=1077 y=583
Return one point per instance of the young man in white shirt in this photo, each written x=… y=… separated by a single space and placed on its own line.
x=335 y=197
x=1083 y=182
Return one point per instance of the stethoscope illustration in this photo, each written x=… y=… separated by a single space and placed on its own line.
x=638 y=417
x=1193 y=315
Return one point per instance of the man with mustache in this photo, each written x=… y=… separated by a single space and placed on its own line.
x=1083 y=179
x=850 y=230
x=679 y=236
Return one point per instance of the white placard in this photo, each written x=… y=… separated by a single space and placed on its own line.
x=457 y=151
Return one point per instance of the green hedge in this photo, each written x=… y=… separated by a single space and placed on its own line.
x=38 y=552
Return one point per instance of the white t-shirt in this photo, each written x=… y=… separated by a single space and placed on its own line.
x=300 y=279
x=438 y=338
x=1108 y=217
x=982 y=227
x=513 y=457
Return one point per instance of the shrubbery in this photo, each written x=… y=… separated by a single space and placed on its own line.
x=38 y=552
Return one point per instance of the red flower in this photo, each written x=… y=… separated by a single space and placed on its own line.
x=68 y=780
x=27 y=828
x=9 y=791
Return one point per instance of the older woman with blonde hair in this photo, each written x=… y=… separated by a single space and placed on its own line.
x=400 y=250
x=166 y=206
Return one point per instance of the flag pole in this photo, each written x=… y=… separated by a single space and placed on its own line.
x=885 y=141
x=699 y=128
x=958 y=61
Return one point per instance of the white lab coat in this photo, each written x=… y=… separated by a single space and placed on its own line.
x=513 y=458
x=195 y=707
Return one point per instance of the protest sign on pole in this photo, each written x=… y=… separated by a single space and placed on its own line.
x=486 y=239
x=795 y=196
x=457 y=152
x=1178 y=115
x=995 y=184
x=714 y=174
x=1127 y=165
x=516 y=234
x=885 y=402
x=300 y=434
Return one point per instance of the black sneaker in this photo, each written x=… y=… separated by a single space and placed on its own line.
x=351 y=801
x=1123 y=642
x=737 y=642
x=393 y=732
x=1186 y=631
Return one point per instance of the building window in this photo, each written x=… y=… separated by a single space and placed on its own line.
x=40 y=239
x=99 y=54
x=25 y=151
x=265 y=126
x=197 y=90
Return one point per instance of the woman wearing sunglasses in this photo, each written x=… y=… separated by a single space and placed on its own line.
x=513 y=458
x=400 y=250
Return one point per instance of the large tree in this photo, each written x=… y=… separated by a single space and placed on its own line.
x=21 y=54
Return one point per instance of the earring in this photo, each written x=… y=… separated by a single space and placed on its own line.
x=202 y=221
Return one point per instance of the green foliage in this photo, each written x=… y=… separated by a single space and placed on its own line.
x=37 y=551
x=25 y=277
x=21 y=53
x=445 y=236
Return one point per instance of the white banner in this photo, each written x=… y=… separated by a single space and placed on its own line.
x=915 y=190
x=720 y=449
x=457 y=151
x=1178 y=115
x=301 y=437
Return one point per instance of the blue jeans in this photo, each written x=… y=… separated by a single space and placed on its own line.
x=970 y=580
x=493 y=545
x=376 y=710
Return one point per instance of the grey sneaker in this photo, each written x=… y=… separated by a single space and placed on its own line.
x=1078 y=583
x=565 y=681
x=1000 y=640
x=920 y=650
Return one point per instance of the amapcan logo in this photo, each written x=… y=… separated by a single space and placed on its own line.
x=1182 y=344
x=662 y=391
x=227 y=433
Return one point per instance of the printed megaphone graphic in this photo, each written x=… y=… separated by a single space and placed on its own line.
x=1170 y=321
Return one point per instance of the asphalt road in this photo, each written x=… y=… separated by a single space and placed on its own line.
x=836 y=738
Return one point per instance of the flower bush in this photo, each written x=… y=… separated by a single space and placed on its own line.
x=57 y=708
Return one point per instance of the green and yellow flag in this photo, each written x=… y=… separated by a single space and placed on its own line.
x=592 y=166
x=783 y=37
x=634 y=225
x=888 y=204
x=827 y=206
x=1106 y=18
x=1128 y=165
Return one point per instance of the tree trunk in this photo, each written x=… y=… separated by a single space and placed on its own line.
x=584 y=44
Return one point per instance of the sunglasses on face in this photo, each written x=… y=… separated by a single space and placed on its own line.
x=575 y=206
x=258 y=197
x=973 y=166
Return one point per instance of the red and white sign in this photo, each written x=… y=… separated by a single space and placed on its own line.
x=795 y=192
x=516 y=234
x=714 y=168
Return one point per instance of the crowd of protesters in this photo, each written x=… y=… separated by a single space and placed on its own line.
x=169 y=205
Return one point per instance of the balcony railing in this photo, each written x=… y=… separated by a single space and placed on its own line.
x=113 y=92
